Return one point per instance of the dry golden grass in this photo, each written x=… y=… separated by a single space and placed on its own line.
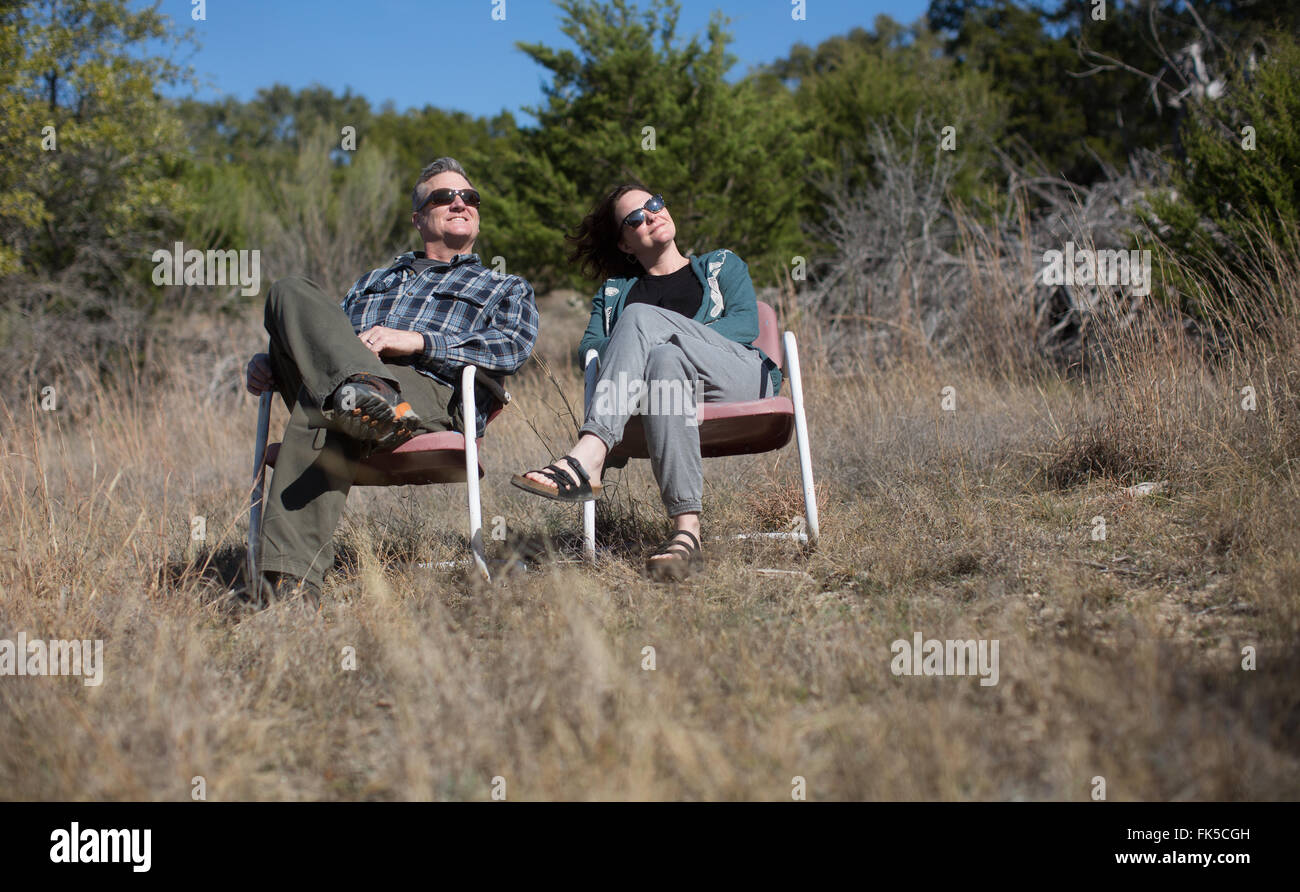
x=1119 y=657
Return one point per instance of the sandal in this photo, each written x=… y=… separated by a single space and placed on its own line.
x=684 y=558
x=566 y=488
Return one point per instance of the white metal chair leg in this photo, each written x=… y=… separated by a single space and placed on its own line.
x=801 y=434
x=259 y=476
x=469 y=411
x=589 y=530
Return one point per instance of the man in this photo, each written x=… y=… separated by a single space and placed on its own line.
x=378 y=369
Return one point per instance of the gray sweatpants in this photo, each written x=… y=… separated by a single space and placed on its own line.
x=658 y=363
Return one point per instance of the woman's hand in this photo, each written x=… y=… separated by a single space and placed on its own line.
x=383 y=341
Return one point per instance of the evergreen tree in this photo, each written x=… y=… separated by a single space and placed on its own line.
x=634 y=102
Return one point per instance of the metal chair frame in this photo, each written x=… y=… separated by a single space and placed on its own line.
x=441 y=457
x=723 y=426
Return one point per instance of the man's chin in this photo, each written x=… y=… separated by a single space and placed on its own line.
x=461 y=244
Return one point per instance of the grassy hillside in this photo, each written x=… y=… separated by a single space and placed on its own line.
x=1119 y=657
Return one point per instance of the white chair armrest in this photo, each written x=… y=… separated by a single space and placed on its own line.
x=469 y=410
x=590 y=369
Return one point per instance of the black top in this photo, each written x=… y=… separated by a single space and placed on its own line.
x=680 y=292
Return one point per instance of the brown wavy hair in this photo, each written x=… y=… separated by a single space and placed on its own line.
x=595 y=244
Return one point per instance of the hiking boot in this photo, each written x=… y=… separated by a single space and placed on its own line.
x=370 y=409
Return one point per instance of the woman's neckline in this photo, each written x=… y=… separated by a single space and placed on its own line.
x=673 y=273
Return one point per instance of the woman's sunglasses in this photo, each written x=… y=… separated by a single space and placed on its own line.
x=637 y=217
x=439 y=197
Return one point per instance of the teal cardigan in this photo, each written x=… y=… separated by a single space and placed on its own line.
x=729 y=305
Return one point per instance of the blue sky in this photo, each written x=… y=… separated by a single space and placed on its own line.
x=451 y=53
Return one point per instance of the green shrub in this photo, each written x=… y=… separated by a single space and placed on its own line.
x=1238 y=187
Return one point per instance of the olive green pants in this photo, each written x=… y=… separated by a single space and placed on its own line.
x=314 y=349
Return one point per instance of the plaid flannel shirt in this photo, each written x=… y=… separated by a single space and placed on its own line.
x=467 y=313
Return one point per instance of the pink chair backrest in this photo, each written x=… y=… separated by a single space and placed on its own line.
x=769 y=334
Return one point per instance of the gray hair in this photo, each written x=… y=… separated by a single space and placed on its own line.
x=441 y=165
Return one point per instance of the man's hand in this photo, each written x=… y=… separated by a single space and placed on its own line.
x=261 y=378
x=383 y=341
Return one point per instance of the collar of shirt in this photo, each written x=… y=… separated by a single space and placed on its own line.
x=407 y=261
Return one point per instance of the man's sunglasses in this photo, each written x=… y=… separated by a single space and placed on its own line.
x=439 y=197
x=637 y=217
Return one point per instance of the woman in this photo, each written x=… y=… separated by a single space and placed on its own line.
x=669 y=329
